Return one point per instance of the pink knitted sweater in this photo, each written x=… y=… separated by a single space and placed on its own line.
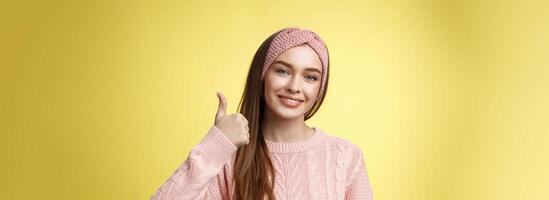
x=320 y=167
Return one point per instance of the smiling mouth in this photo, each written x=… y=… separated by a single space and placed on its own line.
x=288 y=102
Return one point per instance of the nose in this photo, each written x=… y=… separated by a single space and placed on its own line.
x=294 y=86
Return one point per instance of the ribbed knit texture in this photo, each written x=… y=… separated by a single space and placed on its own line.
x=320 y=167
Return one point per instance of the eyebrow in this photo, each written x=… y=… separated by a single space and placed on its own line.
x=291 y=66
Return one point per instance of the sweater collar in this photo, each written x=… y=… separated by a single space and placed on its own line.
x=293 y=147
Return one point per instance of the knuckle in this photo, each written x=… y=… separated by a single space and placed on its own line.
x=242 y=117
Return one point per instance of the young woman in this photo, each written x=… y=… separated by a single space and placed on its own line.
x=266 y=151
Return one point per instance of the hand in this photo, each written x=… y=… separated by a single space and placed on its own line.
x=234 y=126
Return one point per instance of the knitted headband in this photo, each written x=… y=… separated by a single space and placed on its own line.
x=292 y=37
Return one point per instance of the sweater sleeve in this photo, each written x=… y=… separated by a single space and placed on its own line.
x=197 y=177
x=359 y=187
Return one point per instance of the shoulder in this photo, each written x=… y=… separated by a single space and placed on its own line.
x=342 y=145
x=344 y=153
x=346 y=156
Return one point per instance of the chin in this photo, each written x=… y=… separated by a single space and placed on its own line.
x=287 y=113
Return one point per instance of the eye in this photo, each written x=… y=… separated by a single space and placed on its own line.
x=312 y=78
x=281 y=71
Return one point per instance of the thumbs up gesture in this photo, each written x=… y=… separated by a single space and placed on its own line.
x=234 y=126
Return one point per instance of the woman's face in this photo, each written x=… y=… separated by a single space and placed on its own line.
x=296 y=75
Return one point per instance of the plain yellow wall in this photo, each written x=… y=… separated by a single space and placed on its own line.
x=105 y=99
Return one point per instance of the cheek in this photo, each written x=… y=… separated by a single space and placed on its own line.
x=312 y=91
x=312 y=96
x=271 y=85
x=274 y=83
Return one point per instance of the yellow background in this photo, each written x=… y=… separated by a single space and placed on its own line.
x=104 y=99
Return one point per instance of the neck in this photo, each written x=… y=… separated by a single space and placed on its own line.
x=282 y=130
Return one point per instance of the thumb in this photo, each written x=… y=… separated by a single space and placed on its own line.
x=222 y=108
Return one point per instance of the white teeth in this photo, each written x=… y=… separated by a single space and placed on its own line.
x=291 y=100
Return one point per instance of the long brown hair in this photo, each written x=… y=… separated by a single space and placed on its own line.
x=253 y=166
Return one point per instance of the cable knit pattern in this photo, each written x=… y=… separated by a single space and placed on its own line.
x=320 y=167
